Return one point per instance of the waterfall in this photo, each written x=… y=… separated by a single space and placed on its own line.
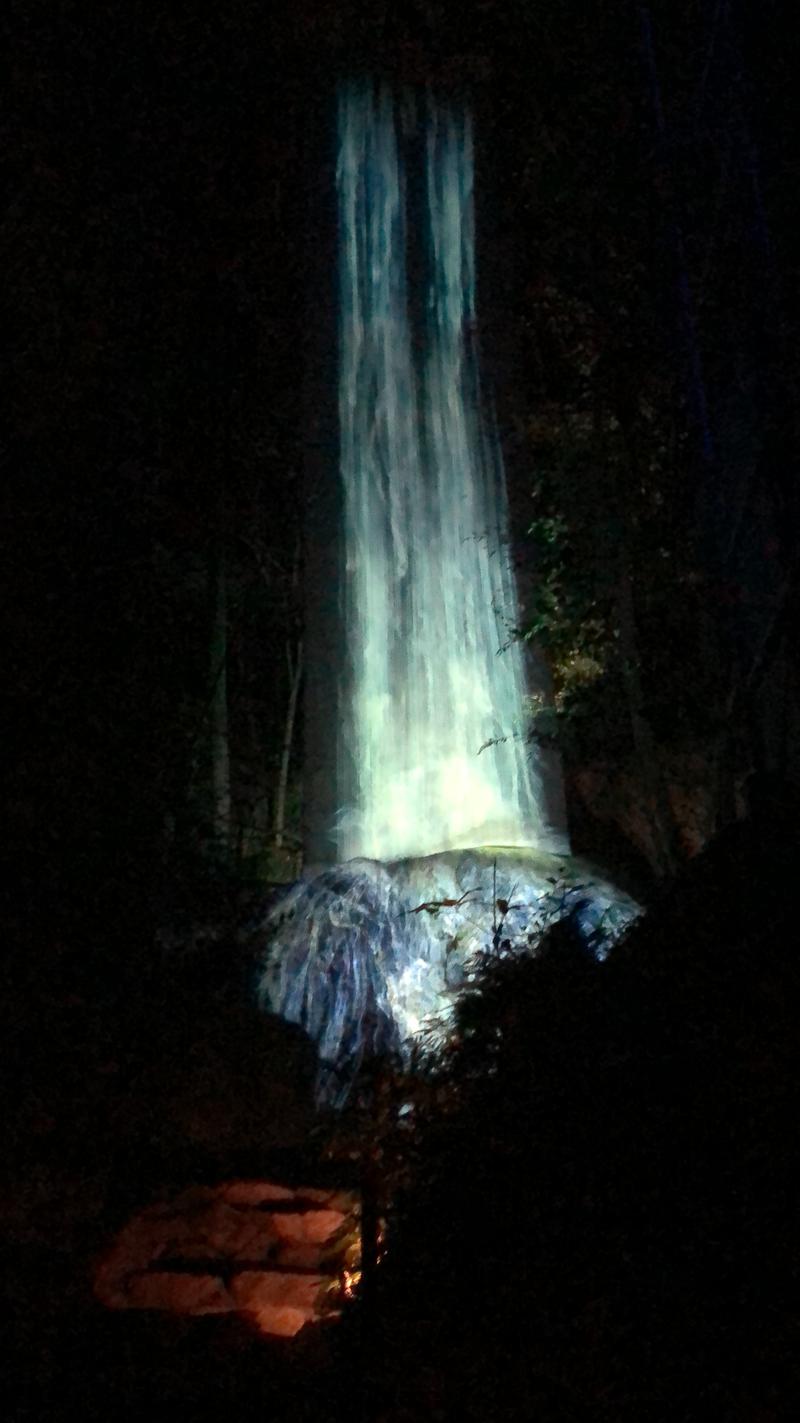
x=451 y=821
x=433 y=752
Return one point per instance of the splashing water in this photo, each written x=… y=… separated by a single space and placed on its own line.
x=433 y=752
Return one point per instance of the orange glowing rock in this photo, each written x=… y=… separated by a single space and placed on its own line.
x=257 y=1248
x=180 y=1294
x=314 y=1227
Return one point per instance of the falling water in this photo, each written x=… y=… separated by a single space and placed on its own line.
x=451 y=828
x=433 y=751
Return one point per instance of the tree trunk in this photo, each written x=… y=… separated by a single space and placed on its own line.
x=650 y=775
x=295 y=677
x=649 y=770
x=219 y=748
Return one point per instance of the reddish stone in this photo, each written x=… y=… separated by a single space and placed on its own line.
x=218 y=1228
x=254 y=1193
x=298 y=1257
x=308 y=1227
x=281 y=1320
x=180 y=1294
x=335 y=1200
x=258 y=1289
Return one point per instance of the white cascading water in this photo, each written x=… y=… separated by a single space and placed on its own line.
x=434 y=768
x=433 y=751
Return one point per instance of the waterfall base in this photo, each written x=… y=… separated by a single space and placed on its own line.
x=365 y=956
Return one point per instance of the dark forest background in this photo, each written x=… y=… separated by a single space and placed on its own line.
x=166 y=252
x=169 y=188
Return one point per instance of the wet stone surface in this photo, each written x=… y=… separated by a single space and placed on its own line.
x=364 y=955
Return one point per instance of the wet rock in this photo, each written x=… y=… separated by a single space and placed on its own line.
x=333 y=943
x=365 y=956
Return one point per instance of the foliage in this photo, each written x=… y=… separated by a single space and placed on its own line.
x=644 y=316
x=596 y=1157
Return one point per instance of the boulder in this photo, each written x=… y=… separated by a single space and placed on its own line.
x=366 y=956
x=272 y=1252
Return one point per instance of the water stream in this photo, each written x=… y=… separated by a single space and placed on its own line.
x=435 y=764
x=433 y=750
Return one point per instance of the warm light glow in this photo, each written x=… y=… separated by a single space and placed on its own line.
x=351 y=1279
x=283 y=1323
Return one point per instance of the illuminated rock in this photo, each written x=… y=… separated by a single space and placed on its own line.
x=268 y=1251
x=364 y=956
x=179 y=1294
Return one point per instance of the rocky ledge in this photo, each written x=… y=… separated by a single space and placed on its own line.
x=279 y=1255
x=365 y=955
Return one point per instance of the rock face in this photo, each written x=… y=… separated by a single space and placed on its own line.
x=365 y=955
x=271 y=1252
x=334 y=943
